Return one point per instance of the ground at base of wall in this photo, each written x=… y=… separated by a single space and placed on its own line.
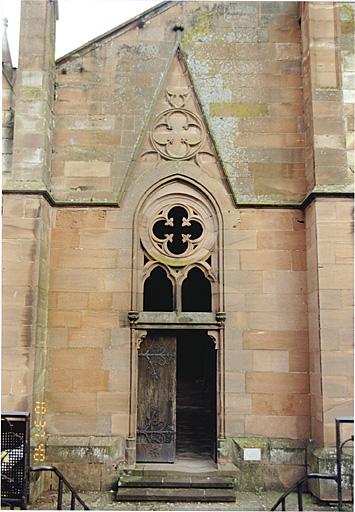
x=245 y=501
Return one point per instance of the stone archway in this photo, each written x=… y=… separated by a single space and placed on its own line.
x=178 y=231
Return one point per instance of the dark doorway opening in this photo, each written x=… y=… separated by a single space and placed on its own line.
x=196 y=395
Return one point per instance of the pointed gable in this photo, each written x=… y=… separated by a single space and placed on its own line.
x=247 y=86
x=176 y=129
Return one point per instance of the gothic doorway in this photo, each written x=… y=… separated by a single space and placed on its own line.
x=177 y=309
x=176 y=407
x=195 y=395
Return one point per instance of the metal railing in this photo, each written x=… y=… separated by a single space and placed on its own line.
x=15 y=465
x=15 y=459
x=340 y=445
x=62 y=481
x=298 y=486
x=337 y=477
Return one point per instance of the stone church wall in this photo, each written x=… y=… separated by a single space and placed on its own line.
x=87 y=326
x=248 y=78
x=267 y=388
x=26 y=245
x=278 y=135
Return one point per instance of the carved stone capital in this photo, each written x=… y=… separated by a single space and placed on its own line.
x=133 y=317
x=221 y=317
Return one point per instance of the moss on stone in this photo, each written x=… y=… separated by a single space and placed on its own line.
x=347 y=18
x=201 y=28
x=31 y=93
x=240 y=110
x=287 y=444
x=251 y=478
x=251 y=442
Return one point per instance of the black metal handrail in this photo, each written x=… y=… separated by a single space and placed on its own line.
x=298 y=487
x=325 y=476
x=15 y=459
x=339 y=446
x=62 y=481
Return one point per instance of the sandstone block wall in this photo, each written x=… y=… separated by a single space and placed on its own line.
x=275 y=97
x=330 y=305
x=325 y=52
x=88 y=335
x=35 y=93
x=26 y=221
x=248 y=78
x=335 y=248
x=346 y=16
x=267 y=386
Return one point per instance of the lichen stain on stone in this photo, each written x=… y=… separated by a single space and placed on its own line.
x=240 y=110
x=201 y=30
x=200 y=68
x=150 y=51
x=347 y=18
x=222 y=129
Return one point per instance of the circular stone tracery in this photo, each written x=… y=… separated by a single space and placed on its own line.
x=177 y=134
x=178 y=232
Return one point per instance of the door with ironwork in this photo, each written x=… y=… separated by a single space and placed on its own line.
x=156 y=412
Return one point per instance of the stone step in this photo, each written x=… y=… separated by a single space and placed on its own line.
x=144 y=471
x=175 y=494
x=177 y=481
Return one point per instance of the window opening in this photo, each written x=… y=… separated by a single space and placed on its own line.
x=196 y=292
x=158 y=292
x=178 y=229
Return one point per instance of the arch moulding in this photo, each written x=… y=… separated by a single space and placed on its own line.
x=204 y=251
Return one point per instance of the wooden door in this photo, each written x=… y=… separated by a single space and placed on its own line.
x=156 y=414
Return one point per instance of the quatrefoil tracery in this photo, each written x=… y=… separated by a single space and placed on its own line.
x=177 y=230
x=177 y=134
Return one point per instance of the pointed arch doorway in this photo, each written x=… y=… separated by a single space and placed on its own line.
x=176 y=399
x=177 y=325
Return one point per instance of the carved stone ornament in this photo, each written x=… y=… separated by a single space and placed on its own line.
x=177 y=96
x=177 y=134
x=178 y=232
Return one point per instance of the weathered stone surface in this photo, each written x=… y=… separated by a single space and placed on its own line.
x=270 y=124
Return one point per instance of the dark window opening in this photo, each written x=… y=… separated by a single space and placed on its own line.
x=178 y=229
x=196 y=292
x=158 y=292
